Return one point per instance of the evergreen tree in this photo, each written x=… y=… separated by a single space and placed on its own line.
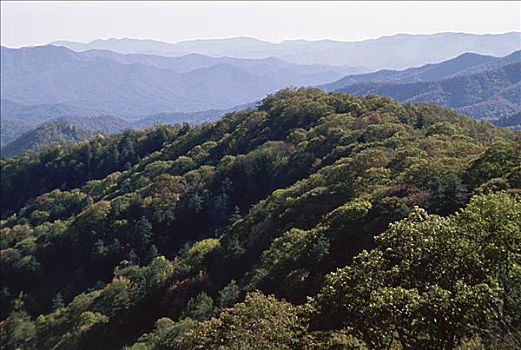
x=57 y=301
x=228 y=295
x=199 y=308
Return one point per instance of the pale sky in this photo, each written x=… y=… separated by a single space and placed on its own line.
x=32 y=23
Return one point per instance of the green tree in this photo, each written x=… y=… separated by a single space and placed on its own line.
x=199 y=308
x=228 y=295
x=434 y=281
x=57 y=301
x=18 y=330
x=142 y=235
x=260 y=322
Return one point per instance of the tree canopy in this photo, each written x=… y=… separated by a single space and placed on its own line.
x=313 y=221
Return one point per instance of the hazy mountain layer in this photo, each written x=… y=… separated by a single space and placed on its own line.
x=513 y=121
x=135 y=86
x=278 y=68
x=465 y=64
x=394 y=52
x=480 y=86
x=37 y=113
x=11 y=129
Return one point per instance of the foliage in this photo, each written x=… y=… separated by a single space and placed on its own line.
x=260 y=322
x=432 y=281
x=153 y=239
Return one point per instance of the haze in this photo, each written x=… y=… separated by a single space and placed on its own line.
x=34 y=23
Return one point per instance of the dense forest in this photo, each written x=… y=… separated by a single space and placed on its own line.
x=313 y=221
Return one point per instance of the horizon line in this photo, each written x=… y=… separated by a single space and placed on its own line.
x=261 y=40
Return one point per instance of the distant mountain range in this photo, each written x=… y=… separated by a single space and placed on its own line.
x=480 y=86
x=137 y=85
x=392 y=52
x=270 y=66
x=74 y=92
x=465 y=64
x=12 y=128
x=513 y=121
x=37 y=113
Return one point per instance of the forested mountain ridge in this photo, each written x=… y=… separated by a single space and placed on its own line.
x=491 y=94
x=17 y=119
x=58 y=131
x=19 y=136
x=465 y=64
x=186 y=237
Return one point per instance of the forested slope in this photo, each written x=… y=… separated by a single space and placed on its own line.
x=214 y=236
x=60 y=130
x=57 y=131
x=491 y=94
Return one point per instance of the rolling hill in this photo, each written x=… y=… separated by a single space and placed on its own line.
x=53 y=132
x=19 y=136
x=193 y=118
x=465 y=64
x=480 y=86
